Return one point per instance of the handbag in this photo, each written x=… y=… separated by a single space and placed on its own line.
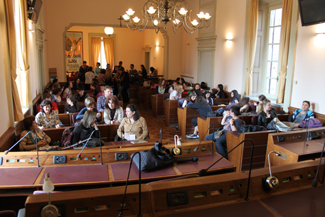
x=154 y=159
x=280 y=126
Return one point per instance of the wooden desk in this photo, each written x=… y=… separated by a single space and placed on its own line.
x=293 y=145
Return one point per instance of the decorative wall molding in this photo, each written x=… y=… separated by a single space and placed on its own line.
x=206 y=43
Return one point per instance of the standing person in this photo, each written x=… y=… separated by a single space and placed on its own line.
x=47 y=118
x=133 y=124
x=120 y=65
x=204 y=108
x=302 y=114
x=108 y=75
x=153 y=71
x=267 y=115
x=70 y=104
x=219 y=93
x=89 y=78
x=134 y=77
x=97 y=69
x=160 y=89
x=144 y=72
x=68 y=89
x=125 y=85
x=101 y=76
x=81 y=95
x=113 y=113
x=101 y=101
x=82 y=71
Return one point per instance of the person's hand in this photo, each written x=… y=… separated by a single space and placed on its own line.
x=98 y=115
x=41 y=143
x=112 y=122
x=227 y=113
x=57 y=126
x=231 y=121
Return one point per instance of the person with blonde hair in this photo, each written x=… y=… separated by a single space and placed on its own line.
x=176 y=93
x=86 y=127
x=90 y=106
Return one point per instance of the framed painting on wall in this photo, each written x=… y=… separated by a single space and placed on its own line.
x=73 y=51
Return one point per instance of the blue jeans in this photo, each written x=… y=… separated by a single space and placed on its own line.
x=220 y=143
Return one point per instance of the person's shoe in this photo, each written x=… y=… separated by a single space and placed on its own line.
x=192 y=136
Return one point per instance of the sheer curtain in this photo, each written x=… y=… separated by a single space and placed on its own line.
x=108 y=46
x=284 y=47
x=251 y=46
x=22 y=58
x=95 y=48
x=10 y=26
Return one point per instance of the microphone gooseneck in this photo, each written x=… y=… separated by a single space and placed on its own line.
x=314 y=182
x=7 y=151
x=79 y=155
x=37 y=150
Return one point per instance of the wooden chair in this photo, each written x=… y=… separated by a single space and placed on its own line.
x=157 y=103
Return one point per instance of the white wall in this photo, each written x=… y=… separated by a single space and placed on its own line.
x=309 y=68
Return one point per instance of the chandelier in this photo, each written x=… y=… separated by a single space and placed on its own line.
x=164 y=11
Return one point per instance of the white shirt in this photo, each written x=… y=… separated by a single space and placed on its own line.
x=173 y=94
x=89 y=76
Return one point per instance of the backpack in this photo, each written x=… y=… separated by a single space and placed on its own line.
x=313 y=123
x=67 y=136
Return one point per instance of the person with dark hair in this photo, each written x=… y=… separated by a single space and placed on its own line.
x=68 y=88
x=244 y=105
x=81 y=95
x=267 y=115
x=76 y=84
x=204 y=86
x=86 y=127
x=208 y=98
x=160 y=89
x=70 y=104
x=231 y=122
x=47 y=118
x=197 y=87
x=95 y=90
x=153 y=71
x=35 y=135
x=89 y=76
x=47 y=96
x=90 y=106
x=302 y=114
x=219 y=93
x=204 y=108
x=56 y=93
x=133 y=125
x=101 y=76
x=172 y=87
x=113 y=113
x=259 y=105
x=234 y=97
x=181 y=81
x=144 y=72
x=49 y=91
x=82 y=71
x=120 y=65
x=97 y=69
x=101 y=101
x=190 y=99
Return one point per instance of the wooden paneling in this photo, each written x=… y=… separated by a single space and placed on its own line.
x=147 y=98
x=170 y=112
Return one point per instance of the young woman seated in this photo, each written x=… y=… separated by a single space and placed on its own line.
x=231 y=122
x=90 y=106
x=160 y=89
x=95 y=90
x=34 y=135
x=259 y=105
x=181 y=82
x=68 y=89
x=177 y=93
x=133 y=126
x=267 y=115
x=244 y=105
x=76 y=84
x=190 y=99
x=172 y=87
x=70 y=104
x=234 y=97
x=113 y=113
x=219 y=93
x=204 y=108
x=56 y=92
x=47 y=118
x=86 y=127
x=208 y=98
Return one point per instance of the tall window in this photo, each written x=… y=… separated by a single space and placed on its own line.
x=273 y=52
x=102 y=55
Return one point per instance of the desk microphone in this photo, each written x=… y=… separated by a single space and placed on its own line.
x=7 y=151
x=203 y=172
x=84 y=146
x=314 y=182
x=197 y=147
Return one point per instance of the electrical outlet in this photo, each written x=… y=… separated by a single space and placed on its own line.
x=121 y=156
x=177 y=198
x=59 y=159
x=281 y=138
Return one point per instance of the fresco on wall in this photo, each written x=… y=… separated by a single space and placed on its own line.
x=73 y=51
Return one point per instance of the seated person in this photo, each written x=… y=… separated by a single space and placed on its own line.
x=49 y=91
x=204 y=87
x=204 y=108
x=259 y=105
x=68 y=89
x=172 y=87
x=47 y=96
x=90 y=106
x=70 y=104
x=234 y=97
x=231 y=122
x=133 y=124
x=267 y=115
x=301 y=114
x=95 y=90
x=190 y=99
x=86 y=127
x=219 y=93
x=113 y=113
x=244 y=105
x=81 y=95
x=56 y=92
x=76 y=84
x=160 y=89
x=208 y=98
x=101 y=101
x=29 y=142
x=176 y=94
x=153 y=71
x=47 y=118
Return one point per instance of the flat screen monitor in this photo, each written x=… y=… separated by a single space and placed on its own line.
x=312 y=12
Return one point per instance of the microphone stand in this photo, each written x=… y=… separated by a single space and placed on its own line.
x=79 y=155
x=126 y=185
x=203 y=172
x=314 y=182
x=37 y=150
x=100 y=146
x=7 y=151
x=197 y=147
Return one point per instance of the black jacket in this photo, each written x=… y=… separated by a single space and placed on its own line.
x=81 y=133
x=263 y=121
